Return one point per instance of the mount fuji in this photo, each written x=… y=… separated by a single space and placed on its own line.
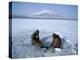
x=46 y=13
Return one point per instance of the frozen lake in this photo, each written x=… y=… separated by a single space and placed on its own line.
x=23 y=28
x=64 y=27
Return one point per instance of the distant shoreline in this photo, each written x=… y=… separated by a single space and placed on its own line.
x=24 y=17
x=48 y=18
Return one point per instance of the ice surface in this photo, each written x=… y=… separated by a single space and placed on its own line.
x=23 y=28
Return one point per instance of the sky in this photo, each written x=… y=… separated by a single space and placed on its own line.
x=27 y=8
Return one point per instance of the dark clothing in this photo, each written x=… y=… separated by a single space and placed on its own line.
x=35 y=37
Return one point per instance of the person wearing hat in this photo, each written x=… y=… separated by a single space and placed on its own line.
x=56 y=42
x=35 y=40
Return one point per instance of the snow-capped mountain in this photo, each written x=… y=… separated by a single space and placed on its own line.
x=46 y=13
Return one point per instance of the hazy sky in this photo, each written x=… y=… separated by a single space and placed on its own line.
x=26 y=8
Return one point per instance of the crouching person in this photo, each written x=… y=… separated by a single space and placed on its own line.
x=56 y=42
x=35 y=39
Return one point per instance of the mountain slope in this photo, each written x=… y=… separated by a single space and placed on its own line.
x=46 y=13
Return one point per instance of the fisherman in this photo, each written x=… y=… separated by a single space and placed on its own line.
x=56 y=42
x=35 y=39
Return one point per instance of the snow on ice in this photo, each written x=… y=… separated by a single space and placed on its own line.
x=23 y=28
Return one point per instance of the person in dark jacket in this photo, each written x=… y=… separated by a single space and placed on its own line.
x=56 y=42
x=35 y=38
